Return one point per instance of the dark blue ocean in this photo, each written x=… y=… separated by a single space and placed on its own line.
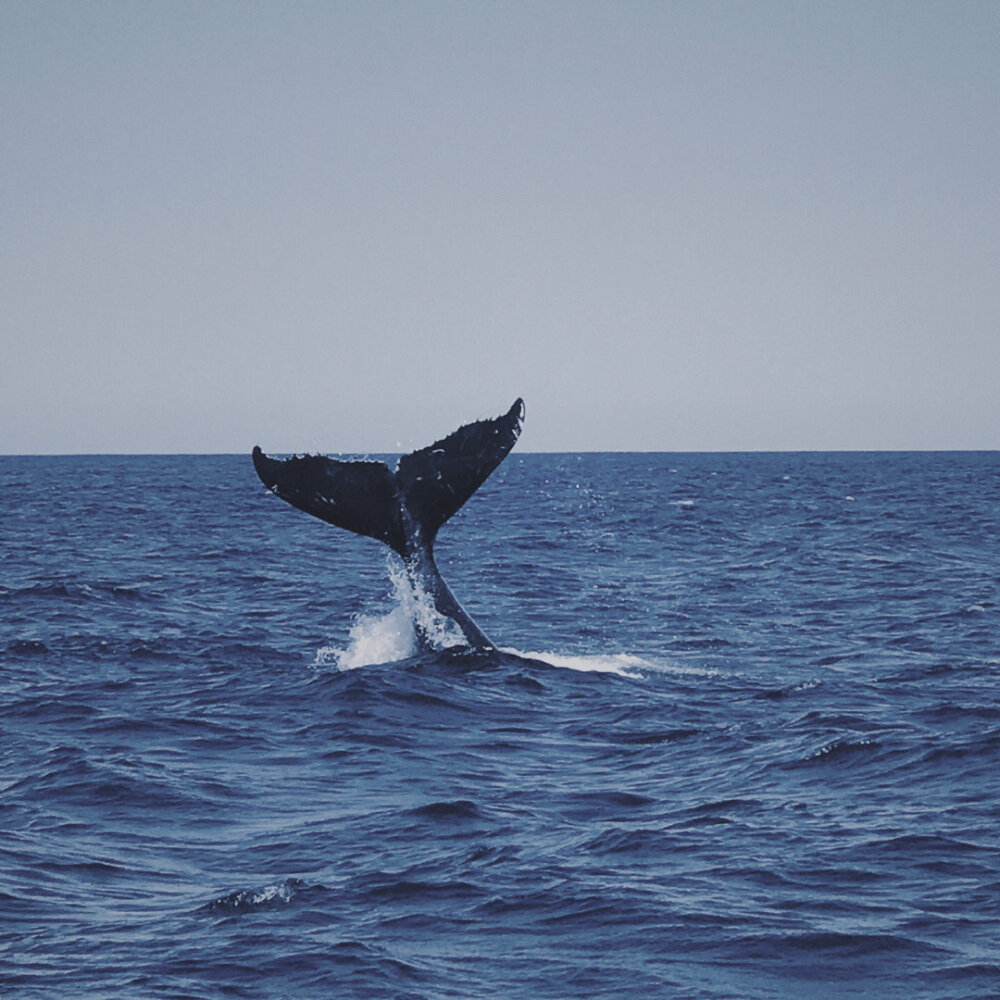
x=743 y=740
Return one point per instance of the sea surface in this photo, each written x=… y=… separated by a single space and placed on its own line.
x=742 y=739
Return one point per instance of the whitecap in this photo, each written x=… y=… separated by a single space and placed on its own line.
x=245 y=900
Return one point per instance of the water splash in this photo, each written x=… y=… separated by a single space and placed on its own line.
x=373 y=639
x=392 y=636
x=439 y=630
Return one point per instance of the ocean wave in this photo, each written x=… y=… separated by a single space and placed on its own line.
x=754 y=755
x=459 y=810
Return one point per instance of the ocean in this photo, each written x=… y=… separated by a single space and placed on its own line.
x=742 y=738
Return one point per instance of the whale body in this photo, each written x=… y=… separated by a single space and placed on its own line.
x=403 y=507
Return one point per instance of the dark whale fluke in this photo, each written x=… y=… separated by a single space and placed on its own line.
x=404 y=507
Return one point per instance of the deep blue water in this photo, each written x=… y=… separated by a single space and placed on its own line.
x=766 y=765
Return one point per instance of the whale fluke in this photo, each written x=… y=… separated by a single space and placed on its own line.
x=358 y=496
x=406 y=506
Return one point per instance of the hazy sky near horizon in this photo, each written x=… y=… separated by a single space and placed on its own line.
x=353 y=226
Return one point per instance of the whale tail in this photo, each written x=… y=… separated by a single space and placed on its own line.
x=404 y=507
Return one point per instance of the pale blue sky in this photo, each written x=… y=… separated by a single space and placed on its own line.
x=353 y=226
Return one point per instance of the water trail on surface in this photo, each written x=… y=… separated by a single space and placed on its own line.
x=389 y=637
x=623 y=664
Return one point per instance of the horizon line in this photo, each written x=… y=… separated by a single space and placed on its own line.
x=587 y=451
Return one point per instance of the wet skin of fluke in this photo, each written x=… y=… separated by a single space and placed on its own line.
x=404 y=507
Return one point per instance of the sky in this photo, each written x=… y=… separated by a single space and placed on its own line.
x=352 y=226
